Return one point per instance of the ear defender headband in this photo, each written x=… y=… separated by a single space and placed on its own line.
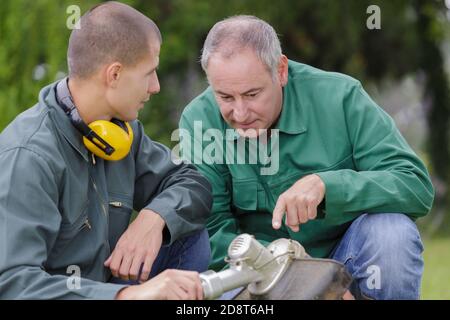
x=109 y=140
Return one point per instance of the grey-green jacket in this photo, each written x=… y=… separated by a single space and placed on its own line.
x=61 y=209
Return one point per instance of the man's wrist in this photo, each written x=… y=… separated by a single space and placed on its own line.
x=322 y=183
x=156 y=217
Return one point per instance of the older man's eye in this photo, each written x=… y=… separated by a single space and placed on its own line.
x=226 y=98
x=251 y=95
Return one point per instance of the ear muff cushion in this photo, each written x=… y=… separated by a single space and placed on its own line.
x=115 y=135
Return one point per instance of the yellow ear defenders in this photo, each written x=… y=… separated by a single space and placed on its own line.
x=109 y=140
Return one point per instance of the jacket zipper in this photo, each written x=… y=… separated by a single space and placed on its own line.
x=116 y=204
x=86 y=224
x=102 y=203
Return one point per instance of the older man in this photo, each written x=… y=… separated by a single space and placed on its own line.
x=345 y=180
x=72 y=173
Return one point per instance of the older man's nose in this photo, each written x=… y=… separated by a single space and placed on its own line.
x=240 y=112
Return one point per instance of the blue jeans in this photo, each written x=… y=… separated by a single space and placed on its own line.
x=383 y=253
x=189 y=253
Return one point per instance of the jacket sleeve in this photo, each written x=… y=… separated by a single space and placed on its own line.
x=389 y=176
x=29 y=226
x=177 y=192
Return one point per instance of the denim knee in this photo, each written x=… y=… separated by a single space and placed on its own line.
x=383 y=253
x=196 y=252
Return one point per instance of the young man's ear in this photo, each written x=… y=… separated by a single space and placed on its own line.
x=113 y=73
x=283 y=70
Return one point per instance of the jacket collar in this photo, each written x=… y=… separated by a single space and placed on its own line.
x=47 y=96
x=291 y=120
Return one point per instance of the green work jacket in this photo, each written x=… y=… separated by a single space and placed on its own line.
x=62 y=210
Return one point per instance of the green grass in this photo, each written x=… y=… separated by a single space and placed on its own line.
x=436 y=278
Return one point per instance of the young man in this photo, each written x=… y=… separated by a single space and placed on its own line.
x=330 y=146
x=65 y=207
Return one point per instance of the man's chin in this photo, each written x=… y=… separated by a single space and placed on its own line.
x=129 y=118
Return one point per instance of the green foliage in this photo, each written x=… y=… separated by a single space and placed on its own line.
x=32 y=33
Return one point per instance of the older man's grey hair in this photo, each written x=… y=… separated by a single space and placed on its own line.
x=236 y=33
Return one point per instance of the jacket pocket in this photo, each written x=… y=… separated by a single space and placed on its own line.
x=70 y=228
x=120 y=209
x=70 y=232
x=245 y=195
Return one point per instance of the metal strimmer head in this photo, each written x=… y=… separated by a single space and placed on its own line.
x=252 y=264
x=263 y=270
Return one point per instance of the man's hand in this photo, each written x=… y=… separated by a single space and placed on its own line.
x=168 y=285
x=299 y=202
x=138 y=245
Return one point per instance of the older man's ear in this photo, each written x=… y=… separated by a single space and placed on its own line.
x=283 y=70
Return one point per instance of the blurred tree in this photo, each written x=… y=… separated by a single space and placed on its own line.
x=437 y=94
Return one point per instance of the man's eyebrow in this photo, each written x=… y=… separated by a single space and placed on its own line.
x=251 y=91
x=246 y=92
x=222 y=93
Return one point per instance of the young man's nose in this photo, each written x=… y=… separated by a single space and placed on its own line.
x=153 y=85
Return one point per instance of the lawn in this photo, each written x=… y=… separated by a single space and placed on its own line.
x=436 y=278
